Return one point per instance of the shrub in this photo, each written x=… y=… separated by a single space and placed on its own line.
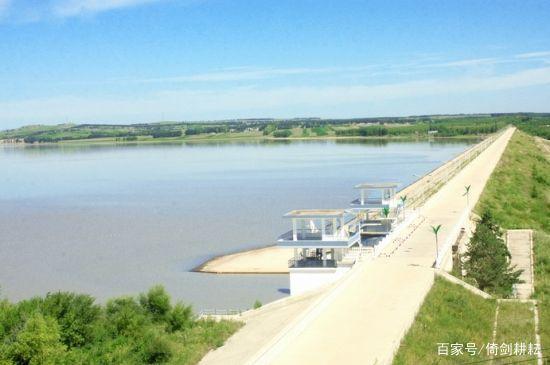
x=76 y=315
x=268 y=129
x=285 y=133
x=6 y=310
x=162 y=133
x=38 y=342
x=257 y=304
x=126 y=331
x=180 y=317
x=320 y=131
x=125 y=316
x=156 y=347
x=156 y=302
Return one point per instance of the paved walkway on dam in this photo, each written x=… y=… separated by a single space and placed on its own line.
x=362 y=319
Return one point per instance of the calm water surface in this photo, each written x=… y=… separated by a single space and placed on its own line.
x=114 y=220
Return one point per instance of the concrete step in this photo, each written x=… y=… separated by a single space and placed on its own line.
x=520 y=245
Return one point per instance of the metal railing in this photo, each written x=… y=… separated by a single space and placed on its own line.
x=437 y=178
x=220 y=312
x=311 y=262
x=316 y=235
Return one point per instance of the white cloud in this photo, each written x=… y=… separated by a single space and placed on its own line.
x=279 y=101
x=534 y=54
x=67 y=8
x=470 y=62
x=237 y=74
x=372 y=70
x=27 y=12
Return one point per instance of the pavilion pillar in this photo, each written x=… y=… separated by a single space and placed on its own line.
x=294 y=230
x=322 y=229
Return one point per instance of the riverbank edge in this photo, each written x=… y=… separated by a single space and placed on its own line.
x=202 y=268
x=255 y=138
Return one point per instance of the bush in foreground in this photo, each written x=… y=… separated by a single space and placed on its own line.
x=67 y=328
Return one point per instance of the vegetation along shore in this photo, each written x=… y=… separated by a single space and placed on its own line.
x=435 y=126
x=68 y=328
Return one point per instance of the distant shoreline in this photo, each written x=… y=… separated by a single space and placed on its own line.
x=115 y=141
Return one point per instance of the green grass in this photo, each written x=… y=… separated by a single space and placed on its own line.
x=450 y=314
x=542 y=284
x=516 y=324
x=518 y=195
x=193 y=345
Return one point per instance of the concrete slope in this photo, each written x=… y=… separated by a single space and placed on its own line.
x=362 y=322
x=260 y=325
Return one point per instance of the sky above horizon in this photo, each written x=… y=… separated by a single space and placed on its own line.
x=127 y=61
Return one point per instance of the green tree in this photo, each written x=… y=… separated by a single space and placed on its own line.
x=156 y=302
x=487 y=259
x=285 y=133
x=180 y=317
x=38 y=342
x=125 y=316
x=76 y=315
x=269 y=128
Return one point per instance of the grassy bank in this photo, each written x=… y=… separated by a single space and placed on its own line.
x=518 y=195
x=542 y=284
x=67 y=328
x=516 y=324
x=450 y=314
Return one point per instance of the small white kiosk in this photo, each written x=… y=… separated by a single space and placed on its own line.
x=321 y=239
x=376 y=196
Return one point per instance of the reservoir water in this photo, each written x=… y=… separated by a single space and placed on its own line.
x=111 y=220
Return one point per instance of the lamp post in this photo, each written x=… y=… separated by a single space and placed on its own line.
x=386 y=214
x=403 y=199
x=435 y=230
x=467 y=195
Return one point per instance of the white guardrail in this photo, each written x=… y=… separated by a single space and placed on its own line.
x=438 y=177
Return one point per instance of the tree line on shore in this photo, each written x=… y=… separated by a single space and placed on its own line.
x=68 y=328
x=464 y=125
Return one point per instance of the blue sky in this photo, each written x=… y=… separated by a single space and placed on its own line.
x=128 y=61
